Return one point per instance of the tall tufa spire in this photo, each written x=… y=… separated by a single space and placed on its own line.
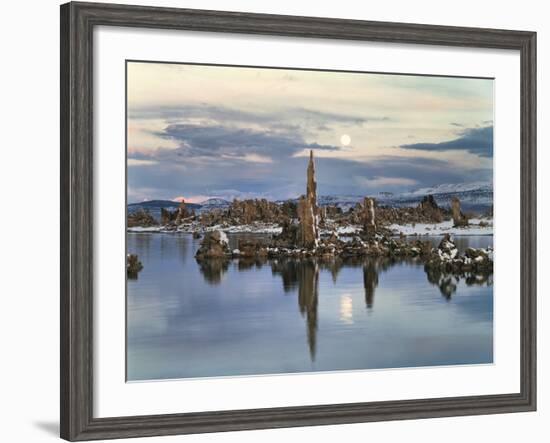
x=368 y=216
x=311 y=190
x=308 y=211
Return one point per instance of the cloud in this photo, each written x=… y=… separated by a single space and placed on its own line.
x=338 y=176
x=251 y=158
x=323 y=117
x=235 y=116
x=218 y=141
x=286 y=177
x=205 y=133
x=475 y=140
x=140 y=162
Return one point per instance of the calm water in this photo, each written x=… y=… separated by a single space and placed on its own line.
x=247 y=317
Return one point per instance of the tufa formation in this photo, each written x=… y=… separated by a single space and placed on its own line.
x=459 y=219
x=369 y=223
x=133 y=266
x=308 y=211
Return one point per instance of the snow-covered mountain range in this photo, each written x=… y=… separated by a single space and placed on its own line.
x=476 y=197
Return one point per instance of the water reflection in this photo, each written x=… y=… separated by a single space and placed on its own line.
x=370 y=282
x=302 y=275
x=287 y=269
x=248 y=316
x=448 y=283
x=334 y=266
x=141 y=244
x=346 y=308
x=244 y=264
x=308 y=296
x=213 y=269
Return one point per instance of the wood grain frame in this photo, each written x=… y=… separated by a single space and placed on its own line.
x=77 y=24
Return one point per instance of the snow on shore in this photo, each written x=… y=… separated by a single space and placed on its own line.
x=145 y=229
x=255 y=228
x=445 y=227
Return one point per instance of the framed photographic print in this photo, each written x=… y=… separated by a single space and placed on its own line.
x=272 y=221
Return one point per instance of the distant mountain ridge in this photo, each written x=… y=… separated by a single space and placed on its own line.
x=477 y=197
x=449 y=188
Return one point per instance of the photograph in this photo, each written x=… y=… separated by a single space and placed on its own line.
x=283 y=221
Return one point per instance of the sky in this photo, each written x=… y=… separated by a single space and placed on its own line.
x=199 y=132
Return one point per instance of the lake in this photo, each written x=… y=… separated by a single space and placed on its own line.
x=243 y=317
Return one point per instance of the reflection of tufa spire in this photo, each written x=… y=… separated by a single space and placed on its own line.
x=308 y=212
x=303 y=274
x=370 y=282
x=308 y=295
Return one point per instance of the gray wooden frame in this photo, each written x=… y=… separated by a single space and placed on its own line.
x=77 y=23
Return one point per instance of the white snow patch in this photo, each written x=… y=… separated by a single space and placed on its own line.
x=223 y=238
x=145 y=229
x=445 y=227
x=257 y=228
x=254 y=228
x=347 y=230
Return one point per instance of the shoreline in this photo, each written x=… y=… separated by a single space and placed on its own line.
x=407 y=230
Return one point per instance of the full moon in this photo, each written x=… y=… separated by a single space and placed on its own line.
x=345 y=139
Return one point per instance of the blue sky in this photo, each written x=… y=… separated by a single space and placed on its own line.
x=209 y=131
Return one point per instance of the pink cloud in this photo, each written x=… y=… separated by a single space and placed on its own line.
x=192 y=198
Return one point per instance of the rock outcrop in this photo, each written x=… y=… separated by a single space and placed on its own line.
x=133 y=266
x=249 y=248
x=176 y=217
x=368 y=217
x=214 y=245
x=427 y=211
x=445 y=258
x=459 y=219
x=141 y=218
x=246 y=212
x=308 y=212
x=430 y=210
x=289 y=235
x=428 y=203
x=166 y=217
x=259 y=210
x=182 y=212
